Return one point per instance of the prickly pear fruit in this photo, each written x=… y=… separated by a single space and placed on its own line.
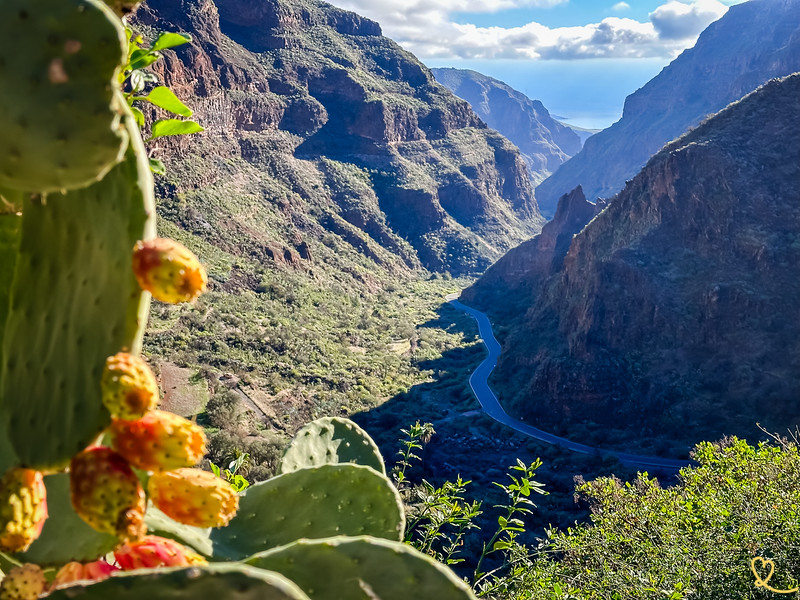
x=61 y=117
x=23 y=583
x=168 y=270
x=153 y=551
x=106 y=493
x=23 y=509
x=129 y=386
x=75 y=571
x=194 y=497
x=159 y=441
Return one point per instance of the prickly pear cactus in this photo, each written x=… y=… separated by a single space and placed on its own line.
x=62 y=125
x=55 y=343
x=331 y=440
x=312 y=503
x=362 y=569
x=213 y=581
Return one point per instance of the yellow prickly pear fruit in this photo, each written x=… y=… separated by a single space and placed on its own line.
x=23 y=583
x=159 y=441
x=194 y=497
x=129 y=386
x=168 y=270
x=23 y=509
x=106 y=493
x=75 y=571
x=153 y=551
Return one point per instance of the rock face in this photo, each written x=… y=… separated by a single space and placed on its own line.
x=331 y=129
x=675 y=311
x=515 y=280
x=544 y=142
x=752 y=43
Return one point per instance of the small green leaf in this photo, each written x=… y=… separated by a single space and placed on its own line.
x=157 y=167
x=164 y=98
x=167 y=127
x=170 y=40
x=138 y=115
x=142 y=58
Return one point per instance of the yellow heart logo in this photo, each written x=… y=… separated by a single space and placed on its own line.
x=757 y=566
x=762 y=562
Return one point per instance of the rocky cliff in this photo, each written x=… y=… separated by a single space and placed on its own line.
x=514 y=281
x=675 y=311
x=752 y=43
x=544 y=142
x=317 y=126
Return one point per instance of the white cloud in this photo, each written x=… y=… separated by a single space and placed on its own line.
x=621 y=6
x=679 y=21
x=426 y=28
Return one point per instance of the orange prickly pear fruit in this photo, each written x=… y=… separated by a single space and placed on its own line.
x=75 y=571
x=23 y=583
x=159 y=441
x=129 y=386
x=168 y=270
x=153 y=551
x=194 y=497
x=23 y=509
x=106 y=493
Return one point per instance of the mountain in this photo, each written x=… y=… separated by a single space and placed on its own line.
x=544 y=142
x=514 y=281
x=335 y=130
x=675 y=312
x=750 y=44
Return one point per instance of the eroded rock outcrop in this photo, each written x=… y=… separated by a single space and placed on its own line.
x=334 y=129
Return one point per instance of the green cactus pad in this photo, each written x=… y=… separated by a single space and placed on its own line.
x=10 y=233
x=197 y=537
x=60 y=110
x=312 y=503
x=214 y=581
x=65 y=536
x=331 y=440
x=74 y=302
x=362 y=568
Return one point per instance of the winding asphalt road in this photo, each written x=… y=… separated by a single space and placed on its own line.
x=478 y=381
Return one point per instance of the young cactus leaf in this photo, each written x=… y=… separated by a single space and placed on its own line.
x=73 y=267
x=362 y=568
x=312 y=503
x=331 y=440
x=213 y=581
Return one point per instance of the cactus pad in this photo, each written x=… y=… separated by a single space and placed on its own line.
x=312 y=503
x=160 y=524
x=195 y=583
x=331 y=440
x=362 y=568
x=65 y=536
x=60 y=111
x=55 y=346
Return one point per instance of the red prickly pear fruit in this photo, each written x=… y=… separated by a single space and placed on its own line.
x=75 y=571
x=129 y=386
x=153 y=551
x=168 y=270
x=194 y=497
x=159 y=441
x=23 y=509
x=23 y=583
x=107 y=494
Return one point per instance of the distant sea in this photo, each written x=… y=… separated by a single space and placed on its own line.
x=587 y=93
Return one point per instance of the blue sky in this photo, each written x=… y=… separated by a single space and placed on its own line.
x=580 y=57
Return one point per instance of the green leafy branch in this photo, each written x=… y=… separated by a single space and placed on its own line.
x=135 y=79
x=231 y=474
